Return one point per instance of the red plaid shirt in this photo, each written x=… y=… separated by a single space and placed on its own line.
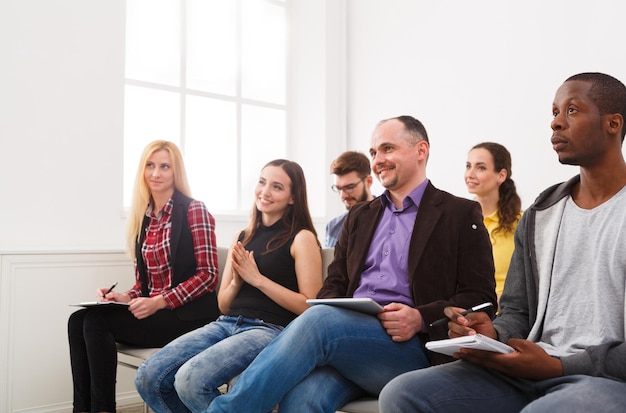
x=156 y=254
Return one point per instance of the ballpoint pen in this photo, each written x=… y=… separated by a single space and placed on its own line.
x=110 y=289
x=444 y=320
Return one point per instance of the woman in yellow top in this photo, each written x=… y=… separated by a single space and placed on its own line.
x=488 y=177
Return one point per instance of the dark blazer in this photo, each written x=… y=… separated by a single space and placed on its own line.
x=183 y=262
x=450 y=258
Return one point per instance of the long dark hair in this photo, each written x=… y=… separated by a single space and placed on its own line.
x=509 y=202
x=296 y=217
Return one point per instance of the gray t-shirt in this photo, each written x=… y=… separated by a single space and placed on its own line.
x=587 y=287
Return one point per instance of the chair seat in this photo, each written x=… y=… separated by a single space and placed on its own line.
x=138 y=352
x=131 y=356
x=362 y=405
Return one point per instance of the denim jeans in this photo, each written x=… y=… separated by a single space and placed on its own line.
x=355 y=345
x=185 y=375
x=464 y=387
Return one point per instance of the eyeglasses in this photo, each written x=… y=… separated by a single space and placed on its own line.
x=348 y=189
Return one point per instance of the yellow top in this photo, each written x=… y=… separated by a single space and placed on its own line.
x=503 y=246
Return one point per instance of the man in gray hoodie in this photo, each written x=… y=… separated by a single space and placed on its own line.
x=563 y=306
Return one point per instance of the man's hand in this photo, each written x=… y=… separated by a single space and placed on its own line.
x=470 y=324
x=529 y=361
x=401 y=321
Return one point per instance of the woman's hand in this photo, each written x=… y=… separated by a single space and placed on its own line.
x=144 y=307
x=112 y=296
x=244 y=266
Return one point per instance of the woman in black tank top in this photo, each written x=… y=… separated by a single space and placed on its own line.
x=273 y=266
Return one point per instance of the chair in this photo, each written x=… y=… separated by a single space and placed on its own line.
x=365 y=404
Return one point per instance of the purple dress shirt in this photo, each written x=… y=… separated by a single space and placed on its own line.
x=385 y=278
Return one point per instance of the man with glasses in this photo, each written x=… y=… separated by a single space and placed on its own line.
x=353 y=181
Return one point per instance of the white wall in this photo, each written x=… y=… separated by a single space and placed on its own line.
x=34 y=356
x=61 y=113
x=473 y=71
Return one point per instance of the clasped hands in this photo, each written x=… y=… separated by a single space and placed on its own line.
x=244 y=266
x=529 y=361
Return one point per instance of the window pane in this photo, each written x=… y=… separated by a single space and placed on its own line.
x=211 y=152
x=263 y=138
x=153 y=41
x=149 y=115
x=232 y=49
x=212 y=46
x=263 y=51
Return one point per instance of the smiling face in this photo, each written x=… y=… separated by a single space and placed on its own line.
x=159 y=174
x=273 y=194
x=578 y=135
x=481 y=178
x=398 y=166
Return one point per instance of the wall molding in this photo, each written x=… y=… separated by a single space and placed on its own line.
x=36 y=290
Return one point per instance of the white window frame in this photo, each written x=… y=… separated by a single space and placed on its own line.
x=242 y=179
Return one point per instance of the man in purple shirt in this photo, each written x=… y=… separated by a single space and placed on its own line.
x=414 y=250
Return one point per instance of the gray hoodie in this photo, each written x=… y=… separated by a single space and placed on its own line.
x=521 y=302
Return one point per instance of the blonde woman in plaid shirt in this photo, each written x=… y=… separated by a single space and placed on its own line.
x=172 y=240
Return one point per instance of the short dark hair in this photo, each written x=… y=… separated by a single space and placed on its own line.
x=608 y=93
x=413 y=127
x=351 y=161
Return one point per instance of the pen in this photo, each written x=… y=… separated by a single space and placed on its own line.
x=466 y=312
x=110 y=289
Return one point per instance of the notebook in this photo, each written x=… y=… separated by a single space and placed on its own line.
x=98 y=303
x=363 y=305
x=478 y=341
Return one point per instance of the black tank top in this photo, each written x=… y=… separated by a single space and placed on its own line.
x=278 y=266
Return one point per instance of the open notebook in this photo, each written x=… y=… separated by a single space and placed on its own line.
x=98 y=303
x=478 y=341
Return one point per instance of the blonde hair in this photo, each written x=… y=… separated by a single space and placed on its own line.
x=141 y=193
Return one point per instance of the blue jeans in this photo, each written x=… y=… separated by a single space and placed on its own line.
x=356 y=347
x=185 y=375
x=464 y=387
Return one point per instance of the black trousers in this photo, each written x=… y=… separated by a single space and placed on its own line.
x=92 y=335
